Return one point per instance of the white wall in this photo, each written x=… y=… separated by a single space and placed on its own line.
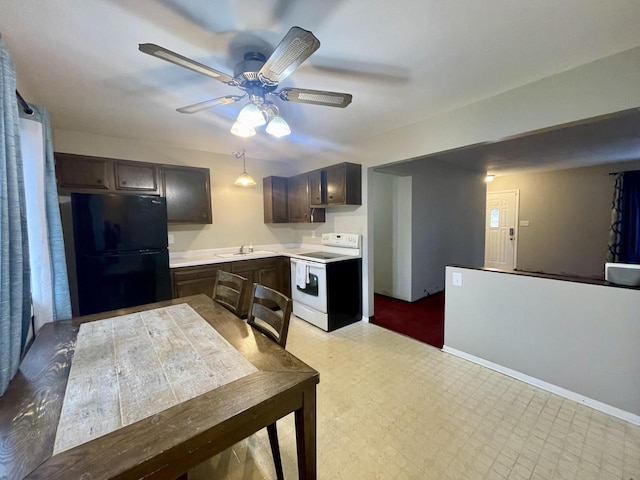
x=447 y=222
x=392 y=205
x=237 y=211
x=580 y=337
x=569 y=215
x=382 y=193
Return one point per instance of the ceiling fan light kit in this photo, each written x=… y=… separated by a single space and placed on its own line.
x=278 y=127
x=251 y=115
x=259 y=78
x=240 y=129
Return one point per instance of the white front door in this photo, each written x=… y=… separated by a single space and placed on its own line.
x=501 y=230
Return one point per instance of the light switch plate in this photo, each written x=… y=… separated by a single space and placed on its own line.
x=524 y=223
x=170 y=239
x=456 y=279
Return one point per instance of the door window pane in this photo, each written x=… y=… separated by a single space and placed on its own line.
x=495 y=218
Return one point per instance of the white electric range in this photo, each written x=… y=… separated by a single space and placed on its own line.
x=326 y=285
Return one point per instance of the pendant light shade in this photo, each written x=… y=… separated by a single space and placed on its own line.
x=251 y=115
x=244 y=180
x=278 y=127
x=240 y=129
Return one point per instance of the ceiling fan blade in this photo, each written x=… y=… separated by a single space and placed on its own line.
x=315 y=97
x=296 y=46
x=169 y=56
x=198 y=107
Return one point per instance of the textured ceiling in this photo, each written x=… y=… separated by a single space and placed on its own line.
x=402 y=61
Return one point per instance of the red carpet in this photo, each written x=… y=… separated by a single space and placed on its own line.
x=422 y=320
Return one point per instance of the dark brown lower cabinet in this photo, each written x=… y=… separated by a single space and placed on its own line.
x=262 y=271
x=265 y=271
x=194 y=280
x=271 y=272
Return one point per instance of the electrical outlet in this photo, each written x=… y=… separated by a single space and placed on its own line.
x=170 y=238
x=456 y=279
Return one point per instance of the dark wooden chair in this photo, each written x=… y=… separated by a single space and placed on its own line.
x=229 y=290
x=275 y=325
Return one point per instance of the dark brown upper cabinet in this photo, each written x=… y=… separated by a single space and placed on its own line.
x=188 y=194
x=300 y=209
x=344 y=184
x=303 y=198
x=276 y=208
x=138 y=177
x=80 y=172
x=317 y=187
x=339 y=184
x=187 y=189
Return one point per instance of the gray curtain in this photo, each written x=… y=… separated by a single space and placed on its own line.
x=60 y=301
x=15 y=294
x=615 y=232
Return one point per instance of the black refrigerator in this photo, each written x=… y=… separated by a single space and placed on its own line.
x=121 y=252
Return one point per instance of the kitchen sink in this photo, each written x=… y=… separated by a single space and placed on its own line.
x=245 y=254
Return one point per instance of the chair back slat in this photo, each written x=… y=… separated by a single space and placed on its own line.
x=274 y=325
x=229 y=290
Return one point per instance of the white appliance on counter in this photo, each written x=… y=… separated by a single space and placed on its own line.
x=326 y=285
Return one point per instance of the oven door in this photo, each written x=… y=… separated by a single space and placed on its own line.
x=314 y=294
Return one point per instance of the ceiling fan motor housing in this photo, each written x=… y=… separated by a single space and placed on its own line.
x=247 y=70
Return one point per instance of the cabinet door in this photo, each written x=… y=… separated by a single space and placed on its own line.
x=276 y=209
x=82 y=172
x=269 y=276
x=344 y=184
x=264 y=271
x=139 y=177
x=336 y=185
x=299 y=198
x=246 y=269
x=317 y=188
x=285 y=276
x=188 y=281
x=188 y=194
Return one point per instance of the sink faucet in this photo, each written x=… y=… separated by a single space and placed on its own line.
x=241 y=248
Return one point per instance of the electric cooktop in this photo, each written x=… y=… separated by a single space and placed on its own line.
x=323 y=255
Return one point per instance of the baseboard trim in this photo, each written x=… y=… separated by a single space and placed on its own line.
x=549 y=387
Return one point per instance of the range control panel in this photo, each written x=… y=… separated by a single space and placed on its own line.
x=345 y=240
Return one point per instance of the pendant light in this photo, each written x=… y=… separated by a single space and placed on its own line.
x=244 y=180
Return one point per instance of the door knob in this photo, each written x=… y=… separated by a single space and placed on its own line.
x=511 y=233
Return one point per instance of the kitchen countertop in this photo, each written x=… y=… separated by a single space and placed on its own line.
x=205 y=257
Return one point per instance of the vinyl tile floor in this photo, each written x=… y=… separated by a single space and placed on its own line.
x=390 y=407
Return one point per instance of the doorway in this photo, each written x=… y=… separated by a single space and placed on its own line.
x=501 y=230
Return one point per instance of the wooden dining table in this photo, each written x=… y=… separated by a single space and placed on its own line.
x=165 y=444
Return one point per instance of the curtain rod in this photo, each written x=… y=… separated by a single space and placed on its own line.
x=25 y=106
x=625 y=171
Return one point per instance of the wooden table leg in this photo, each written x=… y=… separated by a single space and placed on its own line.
x=306 y=435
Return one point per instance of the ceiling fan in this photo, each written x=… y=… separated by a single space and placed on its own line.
x=258 y=77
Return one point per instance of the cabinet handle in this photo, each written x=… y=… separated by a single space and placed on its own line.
x=330 y=196
x=124 y=183
x=98 y=181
